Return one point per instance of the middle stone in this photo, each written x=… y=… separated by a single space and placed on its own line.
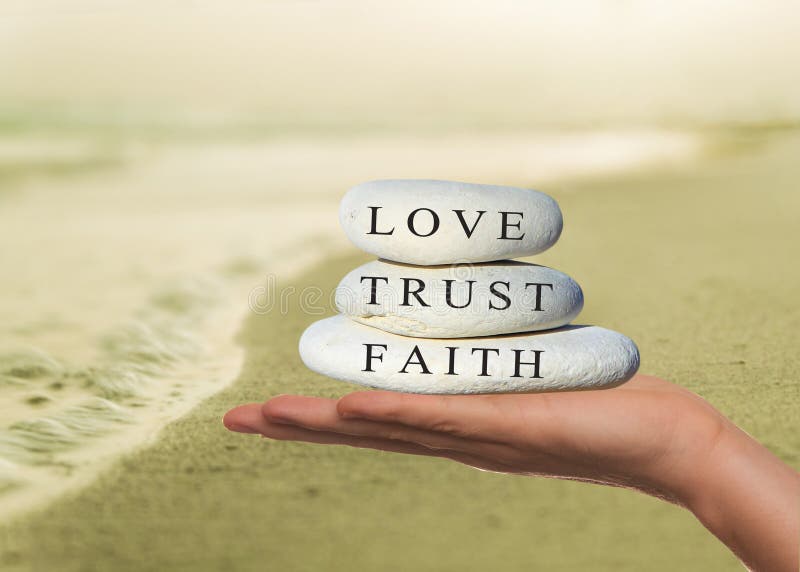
x=465 y=300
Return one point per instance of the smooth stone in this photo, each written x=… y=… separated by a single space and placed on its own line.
x=440 y=222
x=459 y=301
x=573 y=357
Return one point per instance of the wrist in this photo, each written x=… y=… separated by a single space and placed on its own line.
x=685 y=470
x=703 y=473
x=747 y=497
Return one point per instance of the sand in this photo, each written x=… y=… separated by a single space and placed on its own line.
x=693 y=260
x=135 y=259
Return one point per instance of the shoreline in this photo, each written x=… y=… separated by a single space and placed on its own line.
x=199 y=496
x=99 y=381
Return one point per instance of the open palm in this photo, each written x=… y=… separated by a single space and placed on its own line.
x=646 y=434
x=625 y=436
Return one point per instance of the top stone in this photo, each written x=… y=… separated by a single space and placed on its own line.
x=446 y=222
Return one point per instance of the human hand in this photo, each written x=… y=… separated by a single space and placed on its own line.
x=646 y=434
x=623 y=436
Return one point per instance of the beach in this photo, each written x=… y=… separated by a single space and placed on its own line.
x=684 y=240
x=135 y=263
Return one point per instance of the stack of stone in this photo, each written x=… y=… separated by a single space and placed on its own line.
x=443 y=310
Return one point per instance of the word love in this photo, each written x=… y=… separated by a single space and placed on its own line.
x=441 y=222
x=570 y=358
x=459 y=301
x=434 y=222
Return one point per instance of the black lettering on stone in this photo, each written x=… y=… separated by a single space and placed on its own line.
x=448 y=294
x=413 y=229
x=504 y=297
x=504 y=226
x=408 y=292
x=539 y=286
x=451 y=365
x=468 y=231
x=518 y=363
x=373 y=292
x=485 y=359
x=419 y=361
x=373 y=228
x=370 y=356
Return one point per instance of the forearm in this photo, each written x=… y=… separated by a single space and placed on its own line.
x=750 y=500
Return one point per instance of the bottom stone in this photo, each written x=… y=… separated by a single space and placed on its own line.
x=569 y=358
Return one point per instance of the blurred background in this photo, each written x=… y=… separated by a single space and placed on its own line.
x=160 y=162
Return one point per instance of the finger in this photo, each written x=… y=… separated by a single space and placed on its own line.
x=494 y=418
x=295 y=433
x=243 y=419
x=483 y=417
x=251 y=415
x=321 y=415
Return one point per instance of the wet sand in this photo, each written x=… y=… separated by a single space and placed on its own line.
x=693 y=260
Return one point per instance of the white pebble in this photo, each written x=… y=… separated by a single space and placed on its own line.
x=574 y=357
x=459 y=301
x=445 y=222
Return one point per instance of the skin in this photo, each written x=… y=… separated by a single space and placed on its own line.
x=647 y=434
